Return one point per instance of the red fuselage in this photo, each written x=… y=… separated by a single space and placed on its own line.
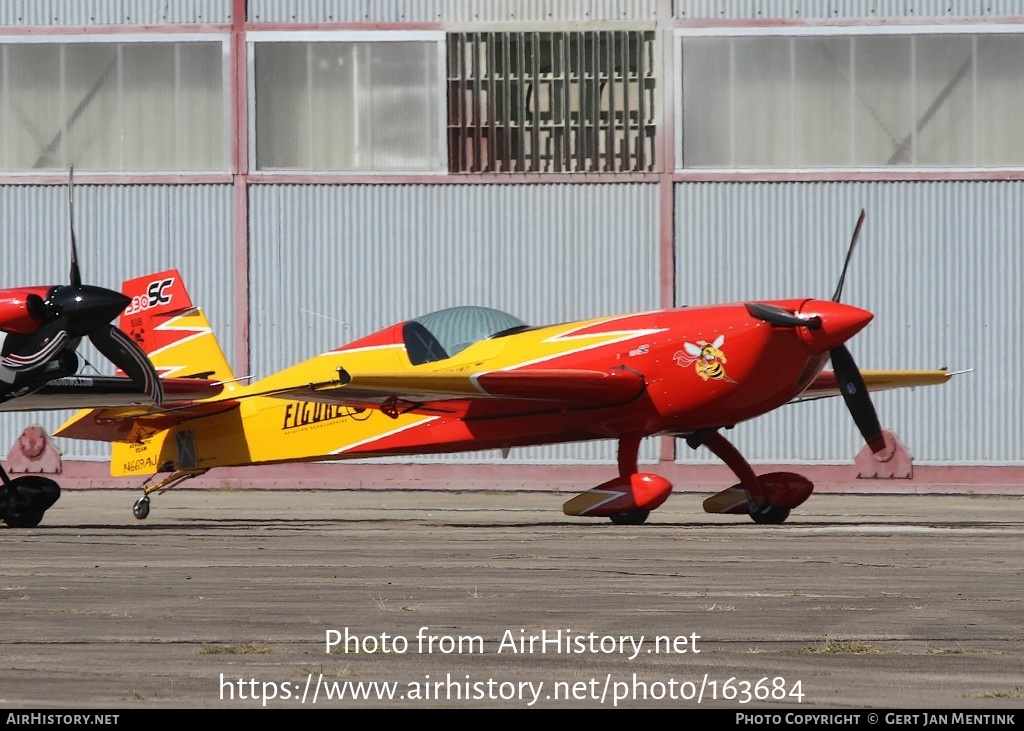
x=695 y=368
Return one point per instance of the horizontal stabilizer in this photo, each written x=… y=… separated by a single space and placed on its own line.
x=111 y=418
x=73 y=392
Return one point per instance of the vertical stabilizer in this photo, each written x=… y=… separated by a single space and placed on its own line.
x=174 y=334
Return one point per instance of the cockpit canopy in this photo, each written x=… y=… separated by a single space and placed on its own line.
x=445 y=333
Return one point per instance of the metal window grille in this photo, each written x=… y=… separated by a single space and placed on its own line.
x=562 y=102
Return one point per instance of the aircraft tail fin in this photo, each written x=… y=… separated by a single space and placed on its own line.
x=175 y=335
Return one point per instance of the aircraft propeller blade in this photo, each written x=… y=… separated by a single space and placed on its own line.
x=123 y=352
x=76 y=274
x=858 y=401
x=849 y=254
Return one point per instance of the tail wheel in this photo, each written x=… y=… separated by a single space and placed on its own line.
x=141 y=508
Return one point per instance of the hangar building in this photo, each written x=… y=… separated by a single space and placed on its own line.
x=318 y=169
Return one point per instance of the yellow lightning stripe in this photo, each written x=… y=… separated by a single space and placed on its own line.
x=196 y=331
x=384 y=435
x=570 y=338
x=365 y=349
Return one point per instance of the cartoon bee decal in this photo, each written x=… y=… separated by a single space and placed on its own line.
x=709 y=359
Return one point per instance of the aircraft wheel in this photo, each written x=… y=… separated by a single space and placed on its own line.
x=630 y=517
x=141 y=508
x=26 y=499
x=25 y=519
x=770 y=515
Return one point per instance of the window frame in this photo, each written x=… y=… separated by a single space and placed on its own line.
x=797 y=31
x=341 y=36
x=587 y=141
x=224 y=165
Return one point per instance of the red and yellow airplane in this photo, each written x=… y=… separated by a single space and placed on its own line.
x=471 y=378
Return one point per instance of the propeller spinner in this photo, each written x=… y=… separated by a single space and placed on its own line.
x=70 y=312
x=830 y=325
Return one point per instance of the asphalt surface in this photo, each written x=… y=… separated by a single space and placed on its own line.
x=232 y=599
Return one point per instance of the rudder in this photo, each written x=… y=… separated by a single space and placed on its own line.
x=174 y=333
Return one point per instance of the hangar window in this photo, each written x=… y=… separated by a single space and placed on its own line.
x=850 y=100
x=348 y=102
x=551 y=102
x=124 y=105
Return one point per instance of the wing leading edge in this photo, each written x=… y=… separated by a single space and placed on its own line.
x=826 y=385
x=572 y=388
x=448 y=391
x=116 y=403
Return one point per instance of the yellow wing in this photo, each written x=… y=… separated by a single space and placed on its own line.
x=825 y=385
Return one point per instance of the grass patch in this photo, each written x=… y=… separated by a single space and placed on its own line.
x=136 y=696
x=344 y=672
x=832 y=646
x=250 y=648
x=954 y=651
x=1003 y=694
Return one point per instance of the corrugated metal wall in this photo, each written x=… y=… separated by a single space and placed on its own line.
x=543 y=11
x=940 y=265
x=123 y=231
x=450 y=11
x=112 y=12
x=548 y=11
x=333 y=263
x=841 y=9
x=159 y=12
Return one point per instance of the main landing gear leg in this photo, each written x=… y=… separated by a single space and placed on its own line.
x=141 y=508
x=626 y=499
x=769 y=498
x=629 y=448
x=725 y=451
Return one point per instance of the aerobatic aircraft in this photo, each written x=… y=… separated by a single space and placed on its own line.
x=39 y=367
x=470 y=378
